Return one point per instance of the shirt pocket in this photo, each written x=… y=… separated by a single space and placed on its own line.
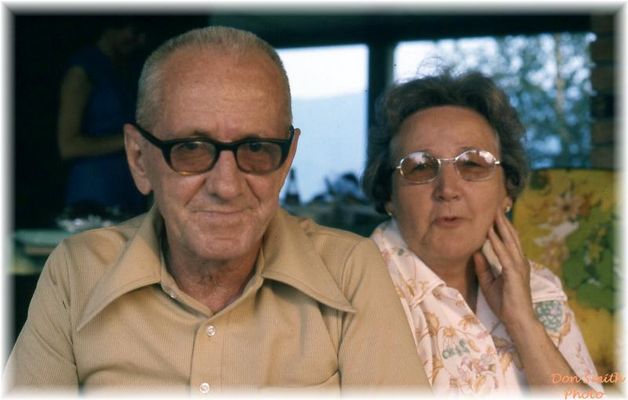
x=330 y=385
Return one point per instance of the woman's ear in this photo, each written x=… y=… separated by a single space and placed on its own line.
x=389 y=209
x=137 y=158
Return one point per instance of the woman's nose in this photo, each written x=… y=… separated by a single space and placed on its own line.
x=447 y=183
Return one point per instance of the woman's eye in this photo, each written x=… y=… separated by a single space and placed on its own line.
x=421 y=166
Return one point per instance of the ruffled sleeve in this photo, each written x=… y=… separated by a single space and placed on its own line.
x=553 y=311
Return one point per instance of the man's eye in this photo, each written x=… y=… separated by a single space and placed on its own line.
x=189 y=146
x=254 y=146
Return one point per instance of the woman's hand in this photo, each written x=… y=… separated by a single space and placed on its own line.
x=510 y=298
x=508 y=295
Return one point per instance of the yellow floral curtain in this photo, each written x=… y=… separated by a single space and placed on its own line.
x=567 y=220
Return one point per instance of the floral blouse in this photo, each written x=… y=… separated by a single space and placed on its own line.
x=471 y=353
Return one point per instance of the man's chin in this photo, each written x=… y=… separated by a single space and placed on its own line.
x=225 y=249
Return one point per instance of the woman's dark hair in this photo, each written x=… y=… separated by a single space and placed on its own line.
x=470 y=90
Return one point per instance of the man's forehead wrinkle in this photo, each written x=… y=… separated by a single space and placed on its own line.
x=224 y=72
x=228 y=102
x=212 y=85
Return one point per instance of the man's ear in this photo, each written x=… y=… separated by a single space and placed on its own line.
x=291 y=153
x=137 y=158
x=293 y=146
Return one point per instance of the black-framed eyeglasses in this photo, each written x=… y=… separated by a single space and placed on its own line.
x=195 y=155
x=471 y=165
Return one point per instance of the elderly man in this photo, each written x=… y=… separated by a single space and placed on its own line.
x=215 y=288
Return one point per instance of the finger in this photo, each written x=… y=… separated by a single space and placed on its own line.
x=511 y=228
x=517 y=239
x=500 y=248
x=511 y=260
x=502 y=229
x=508 y=235
x=483 y=271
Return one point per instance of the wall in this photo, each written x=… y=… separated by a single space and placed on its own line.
x=41 y=47
x=603 y=101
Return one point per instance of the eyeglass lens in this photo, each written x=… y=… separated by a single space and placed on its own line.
x=472 y=165
x=253 y=156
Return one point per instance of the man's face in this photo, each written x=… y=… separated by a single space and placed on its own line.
x=223 y=213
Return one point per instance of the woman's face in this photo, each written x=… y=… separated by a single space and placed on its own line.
x=127 y=40
x=444 y=221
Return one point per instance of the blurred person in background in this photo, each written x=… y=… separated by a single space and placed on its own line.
x=97 y=98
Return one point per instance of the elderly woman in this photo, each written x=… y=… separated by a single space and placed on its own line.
x=446 y=163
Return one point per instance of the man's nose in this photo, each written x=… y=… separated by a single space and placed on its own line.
x=225 y=180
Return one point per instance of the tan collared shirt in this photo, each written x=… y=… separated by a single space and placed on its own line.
x=319 y=312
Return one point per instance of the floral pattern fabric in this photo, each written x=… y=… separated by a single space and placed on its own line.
x=471 y=353
x=568 y=220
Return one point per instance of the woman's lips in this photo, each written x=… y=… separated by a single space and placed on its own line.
x=448 y=222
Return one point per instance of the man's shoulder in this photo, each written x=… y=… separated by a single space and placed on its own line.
x=333 y=244
x=94 y=238
x=315 y=232
x=321 y=260
x=100 y=246
x=312 y=228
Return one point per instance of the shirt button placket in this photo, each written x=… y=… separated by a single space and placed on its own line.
x=203 y=385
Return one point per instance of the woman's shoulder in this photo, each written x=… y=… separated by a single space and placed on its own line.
x=544 y=284
x=90 y=59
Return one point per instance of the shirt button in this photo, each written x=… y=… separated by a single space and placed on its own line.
x=211 y=330
x=204 y=388
x=169 y=292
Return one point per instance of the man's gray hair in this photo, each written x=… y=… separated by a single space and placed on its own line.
x=230 y=40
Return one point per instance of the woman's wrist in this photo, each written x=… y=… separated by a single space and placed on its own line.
x=524 y=328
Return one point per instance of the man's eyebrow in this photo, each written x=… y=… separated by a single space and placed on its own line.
x=201 y=134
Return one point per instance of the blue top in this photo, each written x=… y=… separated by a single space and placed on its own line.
x=105 y=180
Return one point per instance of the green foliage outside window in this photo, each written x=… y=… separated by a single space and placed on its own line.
x=547 y=78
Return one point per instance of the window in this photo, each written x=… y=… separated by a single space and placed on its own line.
x=329 y=88
x=547 y=78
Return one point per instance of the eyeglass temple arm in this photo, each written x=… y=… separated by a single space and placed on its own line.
x=147 y=135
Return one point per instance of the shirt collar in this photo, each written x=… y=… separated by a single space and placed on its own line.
x=545 y=286
x=139 y=265
x=403 y=262
x=287 y=256
x=427 y=279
